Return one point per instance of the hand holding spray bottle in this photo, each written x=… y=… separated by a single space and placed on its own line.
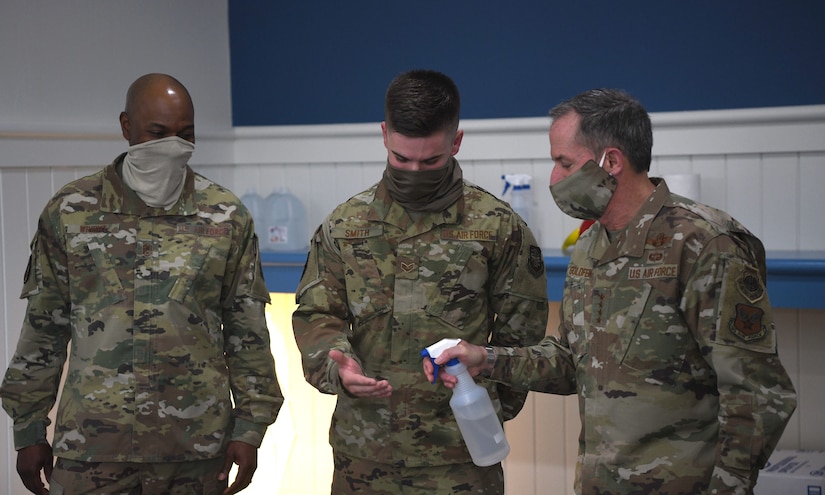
x=477 y=419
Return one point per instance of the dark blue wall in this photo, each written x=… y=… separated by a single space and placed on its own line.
x=317 y=62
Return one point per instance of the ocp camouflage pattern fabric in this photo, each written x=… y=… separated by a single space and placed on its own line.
x=668 y=339
x=380 y=286
x=164 y=314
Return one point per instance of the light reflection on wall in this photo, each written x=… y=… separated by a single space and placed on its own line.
x=295 y=458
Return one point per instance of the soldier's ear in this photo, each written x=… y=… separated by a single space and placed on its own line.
x=125 y=126
x=614 y=161
x=459 y=135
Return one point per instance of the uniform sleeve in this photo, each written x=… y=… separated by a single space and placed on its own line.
x=727 y=308
x=547 y=367
x=31 y=382
x=519 y=290
x=321 y=321
x=255 y=390
x=519 y=301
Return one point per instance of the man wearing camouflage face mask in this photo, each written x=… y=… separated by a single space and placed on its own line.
x=421 y=256
x=666 y=332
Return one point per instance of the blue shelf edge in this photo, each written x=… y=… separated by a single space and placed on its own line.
x=795 y=279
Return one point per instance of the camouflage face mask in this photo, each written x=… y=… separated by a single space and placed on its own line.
x=425 y=190
x=585 y=193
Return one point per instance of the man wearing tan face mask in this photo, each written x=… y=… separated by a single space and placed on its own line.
x=421 y=256
x=151 y=273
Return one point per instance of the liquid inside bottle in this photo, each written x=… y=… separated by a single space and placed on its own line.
x=477 y=419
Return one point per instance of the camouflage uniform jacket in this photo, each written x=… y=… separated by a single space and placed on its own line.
x=380 y=287
x=164 y=311
x=667 y=336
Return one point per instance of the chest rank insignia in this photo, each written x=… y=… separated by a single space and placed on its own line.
x=535 y=262
x=747 y=324
x=750 y=285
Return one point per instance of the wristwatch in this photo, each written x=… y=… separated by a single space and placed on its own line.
x=491 y=361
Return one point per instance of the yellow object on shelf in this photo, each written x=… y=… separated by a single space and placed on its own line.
x=571 y=239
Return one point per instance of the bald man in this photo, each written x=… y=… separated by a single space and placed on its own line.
x=151 y=273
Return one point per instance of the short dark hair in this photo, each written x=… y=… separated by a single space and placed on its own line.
x=611 y=118
x=420 y=103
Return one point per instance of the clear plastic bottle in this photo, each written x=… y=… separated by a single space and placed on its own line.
x=473 y=410
x=285 y=221
x=476 y=418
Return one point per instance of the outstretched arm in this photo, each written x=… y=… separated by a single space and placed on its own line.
x=354 y=380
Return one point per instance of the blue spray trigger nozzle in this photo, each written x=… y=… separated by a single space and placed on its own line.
x=518 y=181
x=435 y=350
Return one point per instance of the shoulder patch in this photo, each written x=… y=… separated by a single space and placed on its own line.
x=748 y=323
x=535 y=262
x=750 y=285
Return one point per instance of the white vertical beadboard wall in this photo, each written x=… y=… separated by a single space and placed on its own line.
x=764 y=166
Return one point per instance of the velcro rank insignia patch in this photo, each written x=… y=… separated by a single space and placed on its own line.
x=750 y=285
x=535 y=262
x=748 y=323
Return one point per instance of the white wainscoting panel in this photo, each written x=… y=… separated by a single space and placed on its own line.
x=764 y=166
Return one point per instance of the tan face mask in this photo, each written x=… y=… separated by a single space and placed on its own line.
x=156 y=170
x=425 y=190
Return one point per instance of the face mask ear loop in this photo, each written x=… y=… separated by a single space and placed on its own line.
x=601 y=162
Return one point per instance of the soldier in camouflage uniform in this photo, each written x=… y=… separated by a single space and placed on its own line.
x=421 y=256
x=151 y=273
x=666 y=329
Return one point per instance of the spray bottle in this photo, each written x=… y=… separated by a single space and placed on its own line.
x=477 y=419
x=521 y=199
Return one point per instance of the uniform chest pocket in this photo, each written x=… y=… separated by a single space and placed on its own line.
x=573 y=307
x=657 y=338
x=456 y=284
x=605 y=321
x=367 y=281
x=199 y=273
x=93 y=274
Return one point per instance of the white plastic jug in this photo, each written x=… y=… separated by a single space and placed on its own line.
x=255 y=204
x=285 y=223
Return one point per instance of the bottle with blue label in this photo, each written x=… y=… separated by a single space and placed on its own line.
x=255 y=204
x=521 y=199
x=285 y=223
x=473 y=410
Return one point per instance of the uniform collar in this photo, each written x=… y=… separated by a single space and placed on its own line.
x=116 y=197
x=632 y=240
x=384 y=209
